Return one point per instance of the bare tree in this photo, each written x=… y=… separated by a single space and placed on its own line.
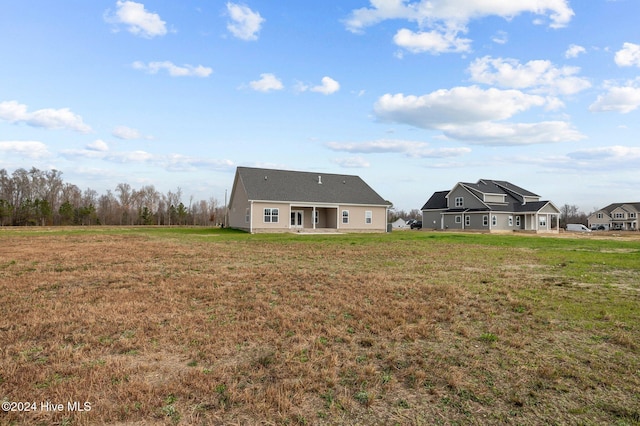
x=124 y=195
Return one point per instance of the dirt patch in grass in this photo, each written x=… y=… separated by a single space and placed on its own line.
x=155 y=330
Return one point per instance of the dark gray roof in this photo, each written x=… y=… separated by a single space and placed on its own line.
x=437 y=201
x=532 y=206
x=490 y=186
x=612 y=207
x=292 y=186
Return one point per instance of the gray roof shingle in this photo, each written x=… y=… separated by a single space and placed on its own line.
x=293 y=186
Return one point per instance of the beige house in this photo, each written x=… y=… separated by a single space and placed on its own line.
x=617 y=216
x=267 y=200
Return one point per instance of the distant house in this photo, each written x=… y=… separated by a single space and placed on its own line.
x=399 y=223
x=489 y=205
x=267 y=200
x=618 y=216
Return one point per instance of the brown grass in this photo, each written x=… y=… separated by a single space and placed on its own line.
x=165 y=331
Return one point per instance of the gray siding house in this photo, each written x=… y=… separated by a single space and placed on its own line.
x=489 y=205
x=617 y=216
x=267 y=200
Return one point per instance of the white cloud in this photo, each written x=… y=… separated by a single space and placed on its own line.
x=48 y=118
x=573 y=51
x=124 y=132
x=138 y=20
x=511 y=134
x=456 y=13
x=408 y=148
x=267 y=83
x=98 y=145
x=179 y=162
x=377 y=146
x=431 y=41
x=99 y=150
x=500 y=37
x=327 y=87
x=447 y=18
x=628 y=56
x=29 y=149
x=540 y=76
x=475 y=116
x=623 y=99
x=245 y=23
x=352 y=162
x=608 y=153
x=457 y=106
x=173 y=70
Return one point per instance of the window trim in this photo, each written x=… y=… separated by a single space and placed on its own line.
x=459 y=201
x=368 y=217
x=273 y=215
x=345 y=216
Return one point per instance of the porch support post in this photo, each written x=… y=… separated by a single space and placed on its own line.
x=313 y=217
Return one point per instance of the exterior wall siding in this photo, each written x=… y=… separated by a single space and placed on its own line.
x=357 y=218
x=238 y=208
x=431 y=219
x=328 y=217
x=470 y=200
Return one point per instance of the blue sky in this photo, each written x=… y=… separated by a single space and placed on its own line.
x=413 y=96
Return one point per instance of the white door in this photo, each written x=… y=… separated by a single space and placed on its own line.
x=296 y=218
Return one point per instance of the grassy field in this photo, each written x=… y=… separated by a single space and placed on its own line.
x=202 y=326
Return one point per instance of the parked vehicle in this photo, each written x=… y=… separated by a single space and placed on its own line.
x=416 y=225
x=598 y=228
x=577 y=227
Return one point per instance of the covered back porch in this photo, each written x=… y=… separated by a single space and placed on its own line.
x=317 y=218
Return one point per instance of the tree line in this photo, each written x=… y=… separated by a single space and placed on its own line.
x=41 y=198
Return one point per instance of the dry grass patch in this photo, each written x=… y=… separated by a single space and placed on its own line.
x=160 y=330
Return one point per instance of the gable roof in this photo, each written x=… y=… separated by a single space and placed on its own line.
x=500 y=187
x=612 y=207
x=437 y=201
x=306 y=187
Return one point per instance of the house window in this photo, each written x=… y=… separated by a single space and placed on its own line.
x=619 y=215
x=247 y=215
x=510 y=220
x=458 y=219
x=368 y=217
x=632 y=215
x=345 y=216
x=467 y=221
x=600 y=215
x=518 y=221
x=494 y=220
x=459 y=201
x=271 y=215
x=543 y=221
x=485 y=220
x=316 y=219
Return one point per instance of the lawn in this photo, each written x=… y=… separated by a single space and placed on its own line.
x=202 y=326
